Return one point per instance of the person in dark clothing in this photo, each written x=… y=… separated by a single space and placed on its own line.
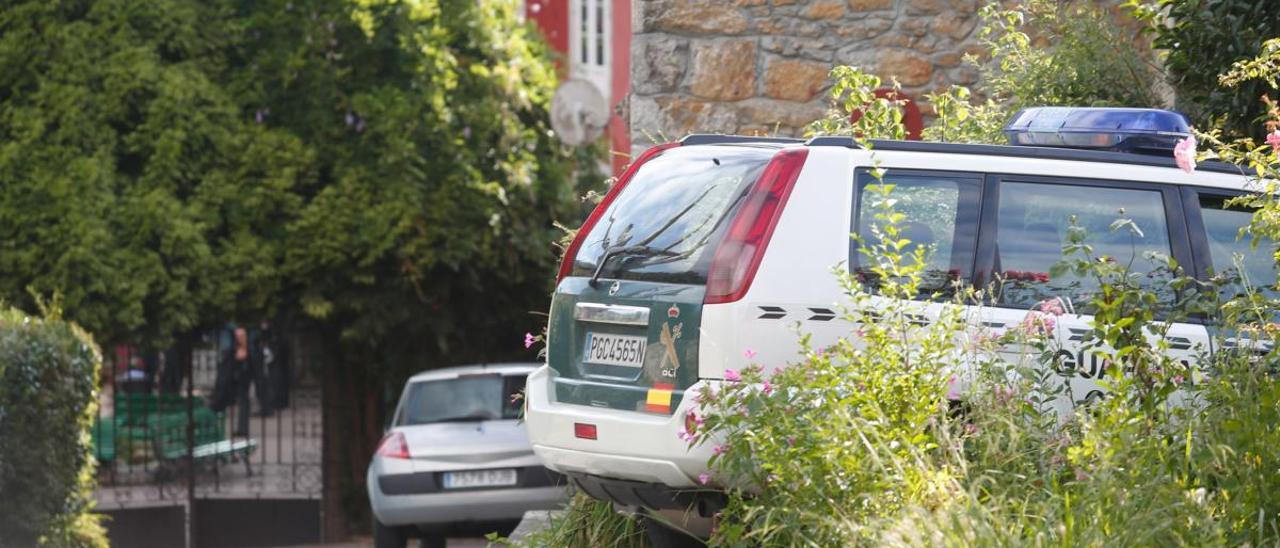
x=276 y=361
x=224 y=384
x=241 y=362
x=240 y=358
x=177 y=360
x=257 y=375
x=151 y=368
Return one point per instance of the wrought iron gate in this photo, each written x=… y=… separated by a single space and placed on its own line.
x=168 y=434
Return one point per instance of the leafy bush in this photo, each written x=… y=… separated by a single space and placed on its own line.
x=1049 y=52
x=1035 y=53
x=48 y=397
x=825 y=448
x=857 y=110
x=1203 y=38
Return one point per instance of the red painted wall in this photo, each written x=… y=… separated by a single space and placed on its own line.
x=620 y=66
x=552 y=17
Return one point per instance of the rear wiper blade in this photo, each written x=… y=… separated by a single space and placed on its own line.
x=626 y=250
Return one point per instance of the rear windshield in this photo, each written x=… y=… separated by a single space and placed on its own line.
x=677 y=204
x=466 y=398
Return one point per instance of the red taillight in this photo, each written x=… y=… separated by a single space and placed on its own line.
x=566 y=262
x=584 y=430
x=739 y=254
x=393 y=446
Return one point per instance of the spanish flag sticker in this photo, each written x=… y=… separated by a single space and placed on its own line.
x=659 y=398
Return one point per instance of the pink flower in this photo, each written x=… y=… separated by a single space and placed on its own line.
x=749 y=353
x=1178 y=380
x=768 y=388
x=694 y=415
x=970 y=428
x=1273 y=139
x=684 y=435
x=529 y=340
x=1051 y=306
x=703 y=478
x=732 y=375
x=719 y=450
x=1004 y=394
x=1036 y=323
x=1184 y=154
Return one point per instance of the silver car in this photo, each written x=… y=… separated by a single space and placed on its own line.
x=456 y=460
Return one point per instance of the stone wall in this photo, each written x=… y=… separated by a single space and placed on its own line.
x=760 y=66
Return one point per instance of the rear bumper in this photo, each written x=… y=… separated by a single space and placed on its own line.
x=422 y=483
x=465 y=506
x=629 y=445
x=650 y=495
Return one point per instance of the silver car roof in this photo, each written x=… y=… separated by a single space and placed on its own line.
x=508 y=368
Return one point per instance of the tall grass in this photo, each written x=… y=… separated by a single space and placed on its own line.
x=585 y=522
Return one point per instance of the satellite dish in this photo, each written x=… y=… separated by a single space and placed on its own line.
x=578 y=112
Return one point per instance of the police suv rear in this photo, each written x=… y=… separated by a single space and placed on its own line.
x=714 y=248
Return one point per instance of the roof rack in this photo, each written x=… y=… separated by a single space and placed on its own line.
x=1009 y=151
x=713 y=139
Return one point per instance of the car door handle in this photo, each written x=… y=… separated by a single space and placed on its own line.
x=611 y=313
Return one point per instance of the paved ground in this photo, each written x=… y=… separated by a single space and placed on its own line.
x=532 y=521
x=368 y=543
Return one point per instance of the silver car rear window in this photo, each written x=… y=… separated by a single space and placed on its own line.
x=467 y=398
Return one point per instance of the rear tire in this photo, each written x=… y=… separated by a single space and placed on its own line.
x=433 y=541
x=385 y=536
x=662 y=535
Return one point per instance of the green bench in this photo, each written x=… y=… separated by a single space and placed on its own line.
x=155 y=426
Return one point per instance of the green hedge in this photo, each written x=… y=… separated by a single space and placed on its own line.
x=48 y=398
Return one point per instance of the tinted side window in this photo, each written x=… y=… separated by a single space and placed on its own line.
x=1032 y=220
x=941 y=212
x=1231 y=250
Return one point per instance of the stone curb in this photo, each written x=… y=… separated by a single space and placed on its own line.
x=533 y=521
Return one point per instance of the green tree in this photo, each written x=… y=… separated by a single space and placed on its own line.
x=382 y=170
x=424 y=239
x=130 y=180
x=1201 y=39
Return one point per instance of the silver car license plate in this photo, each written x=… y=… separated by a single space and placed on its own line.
x=479 y=478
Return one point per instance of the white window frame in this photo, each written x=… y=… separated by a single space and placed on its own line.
x=591 y=43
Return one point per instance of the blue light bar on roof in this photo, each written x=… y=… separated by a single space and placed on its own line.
x=1102 y=128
